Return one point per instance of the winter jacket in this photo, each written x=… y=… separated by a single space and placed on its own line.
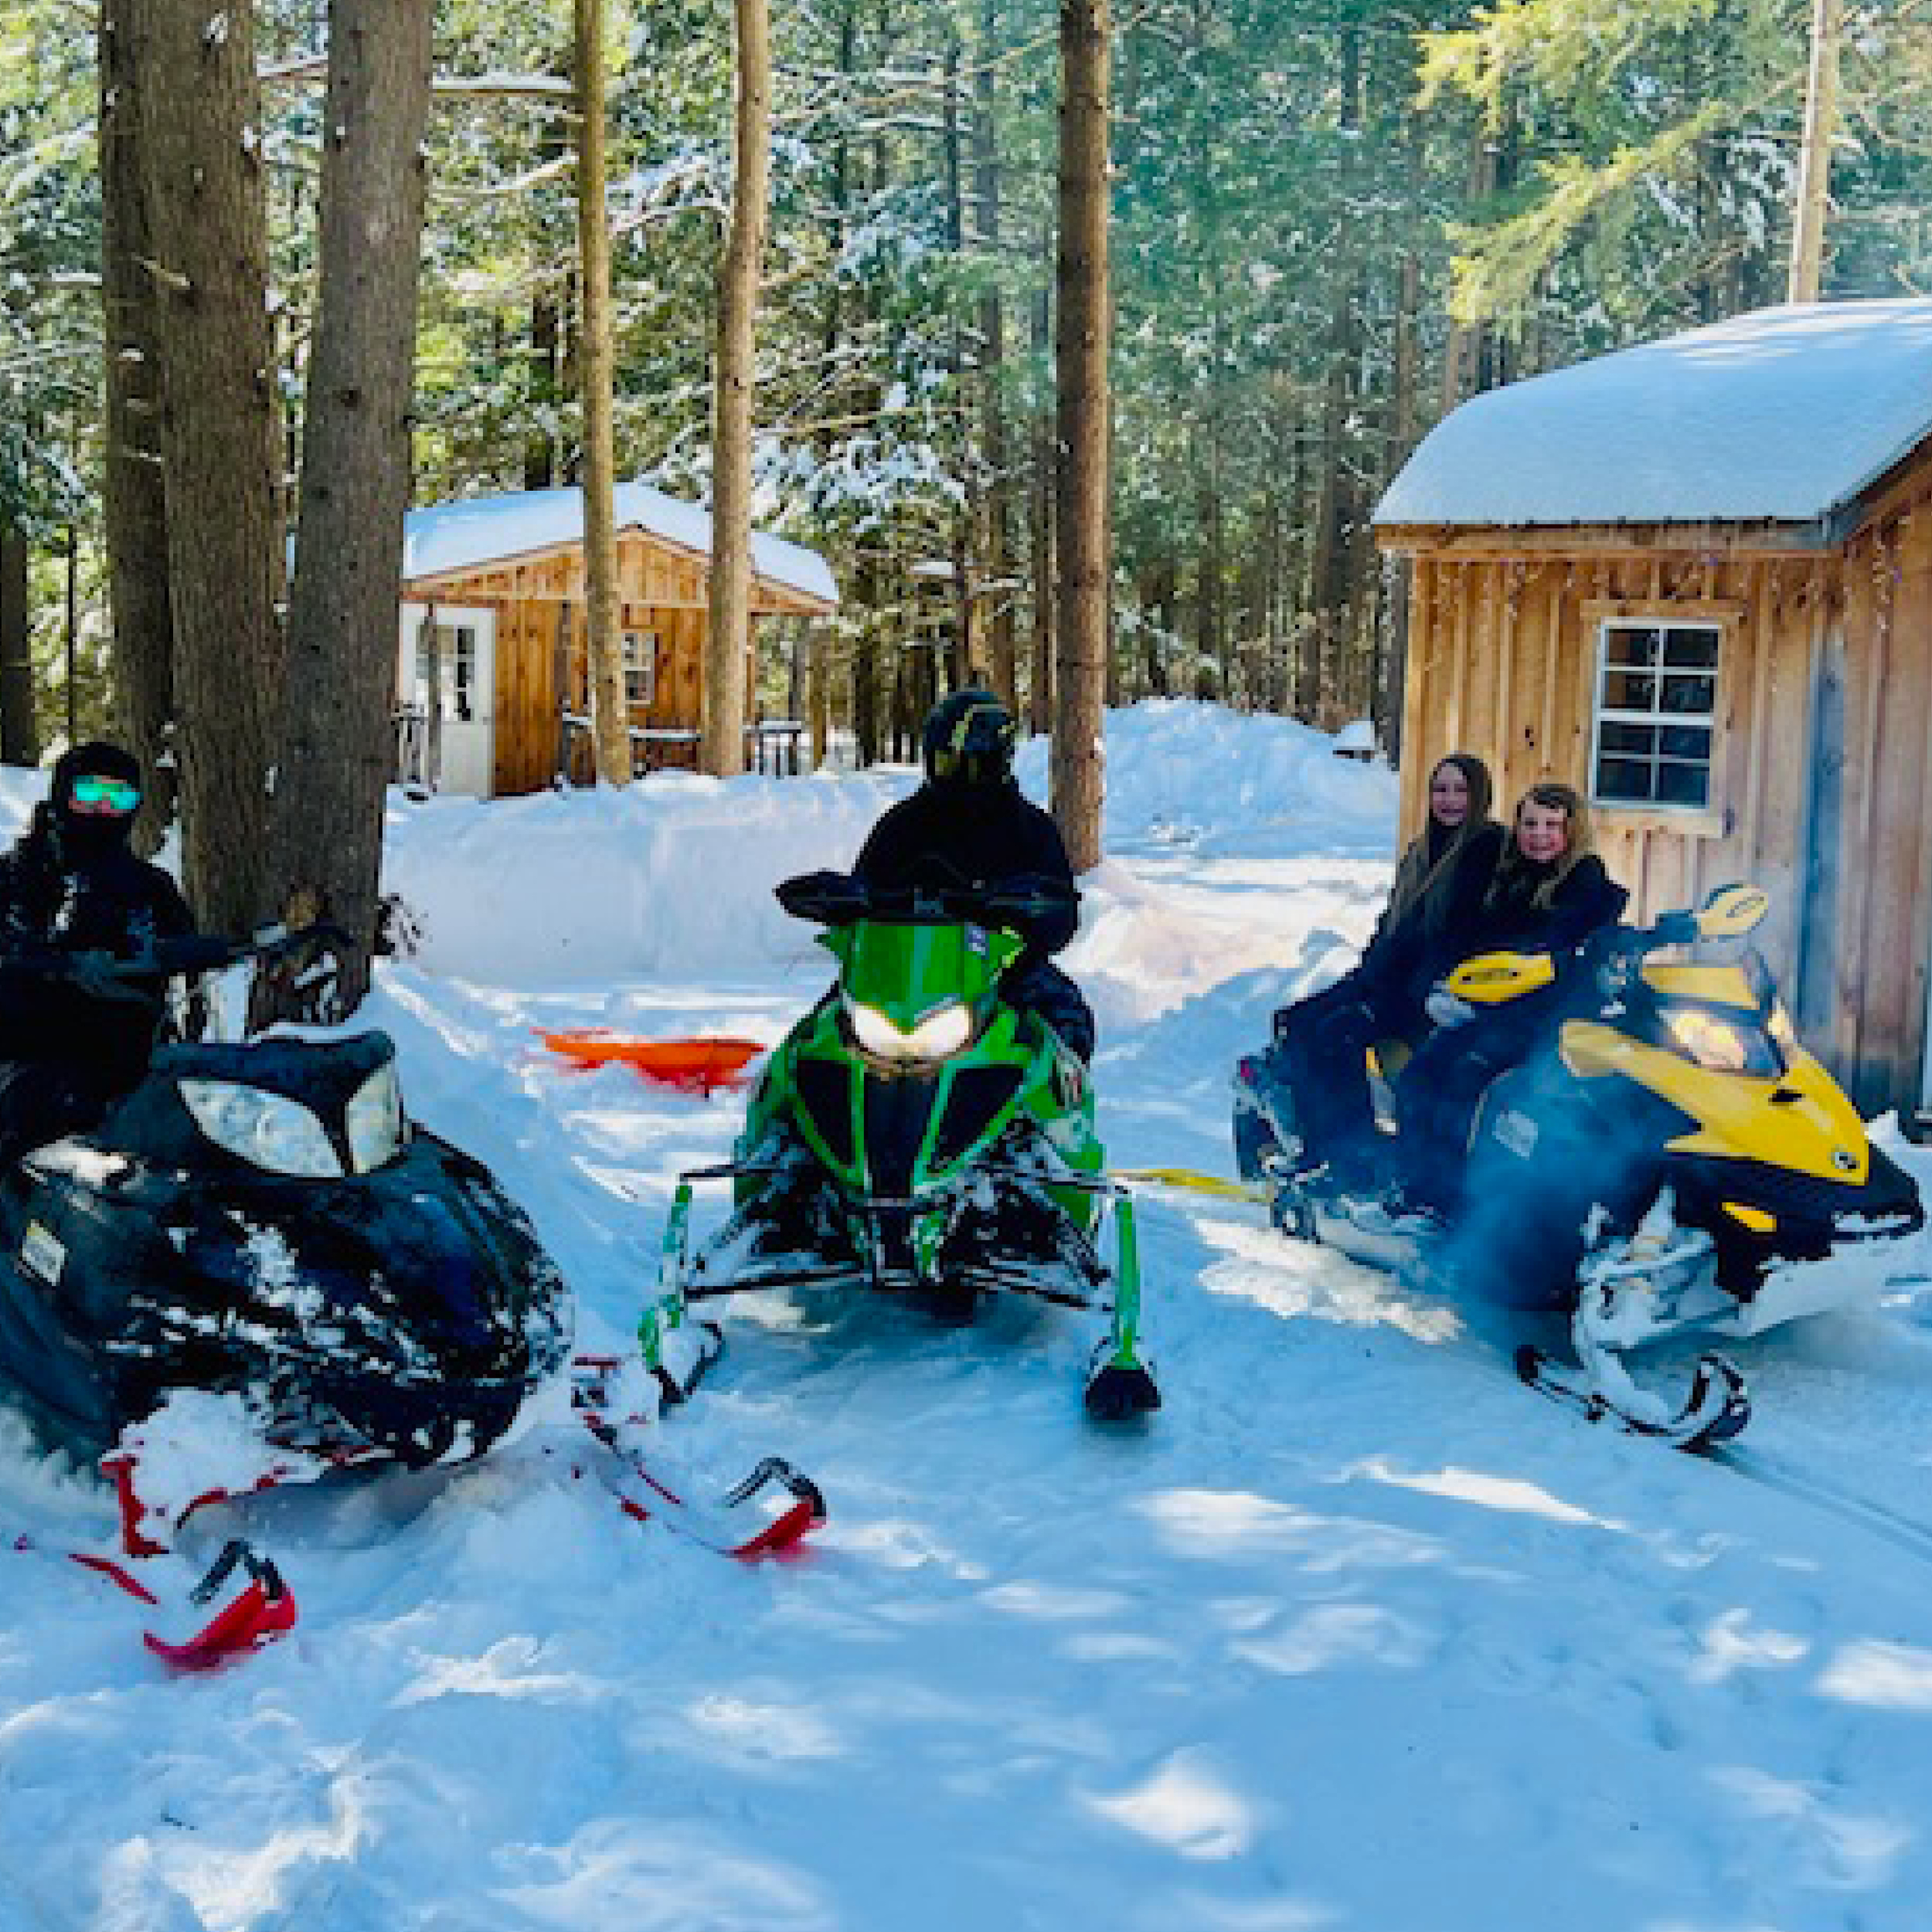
x=1427 y=928
x=1585 y=901
x=976 y=836
x=55 y=899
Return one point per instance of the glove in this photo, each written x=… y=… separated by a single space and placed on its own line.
x=1445 y=1010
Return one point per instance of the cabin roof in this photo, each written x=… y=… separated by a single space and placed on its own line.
x=1787 y=414
x=475 y=532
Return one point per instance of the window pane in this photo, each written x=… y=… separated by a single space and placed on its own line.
x=1691 y=742
x=1629 y=690
x=1683 y=785
x=1690 y=696
x=1632 y=644
x=1624 y=781
x=1688 y=650
x=1639 y=739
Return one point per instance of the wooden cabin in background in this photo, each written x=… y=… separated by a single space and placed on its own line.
x=1694 y=579
x=492 y=678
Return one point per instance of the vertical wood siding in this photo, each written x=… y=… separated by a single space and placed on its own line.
x=1501 y=661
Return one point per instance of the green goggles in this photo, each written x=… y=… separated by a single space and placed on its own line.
x=116 y=794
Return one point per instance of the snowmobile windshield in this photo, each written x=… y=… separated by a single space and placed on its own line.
x=1725 y=1018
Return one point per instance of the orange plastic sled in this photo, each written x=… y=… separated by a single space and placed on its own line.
x=698 y=1065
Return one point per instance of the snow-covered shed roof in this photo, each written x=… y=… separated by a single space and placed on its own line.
x=1787 y=414
x=477 y=531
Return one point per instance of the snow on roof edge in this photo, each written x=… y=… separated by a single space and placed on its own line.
x=469 y=532
x=1787 y=415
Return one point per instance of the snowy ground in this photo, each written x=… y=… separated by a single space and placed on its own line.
x=1354 y=1633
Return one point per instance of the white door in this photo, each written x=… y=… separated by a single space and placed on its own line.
x=446 y=686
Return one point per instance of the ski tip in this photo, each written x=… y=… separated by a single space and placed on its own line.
x=258 y=1616
x=1529 y=1362
x=1119 y=1392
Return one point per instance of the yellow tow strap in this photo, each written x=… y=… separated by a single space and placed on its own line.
x=1194 y=1182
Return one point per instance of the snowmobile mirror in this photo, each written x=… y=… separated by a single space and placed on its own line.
x=1021 y=906
x=824 y=898
x=1732 y=911
x=1494 y=979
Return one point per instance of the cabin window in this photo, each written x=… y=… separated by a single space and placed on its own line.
x=452 y=654
x=640 y=666
x=1656 y=713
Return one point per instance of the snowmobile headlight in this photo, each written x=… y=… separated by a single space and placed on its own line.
x=267 y=1130
x=373 y=1120
x=938 y=1036
x=1715 y=1044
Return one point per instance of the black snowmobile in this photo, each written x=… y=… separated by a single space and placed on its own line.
x=1673 y=1161
x=259 y=1222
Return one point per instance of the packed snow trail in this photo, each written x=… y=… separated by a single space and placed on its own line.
x=1355 y=1633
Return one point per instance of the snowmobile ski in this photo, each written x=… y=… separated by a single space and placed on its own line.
x=736 y=1525
x=605 y=1393
x=239 y=1605
x=1717 y=1409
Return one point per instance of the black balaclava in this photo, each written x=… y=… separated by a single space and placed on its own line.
x=88 y=837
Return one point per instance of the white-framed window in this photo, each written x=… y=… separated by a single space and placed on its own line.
x=454 y=658
x=640 y=666
x=1654 y=741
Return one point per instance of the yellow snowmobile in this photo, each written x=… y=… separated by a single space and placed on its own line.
x=1673 y=1159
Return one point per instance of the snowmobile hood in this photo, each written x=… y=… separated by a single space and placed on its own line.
x=909 y=972
x=1799 y=1120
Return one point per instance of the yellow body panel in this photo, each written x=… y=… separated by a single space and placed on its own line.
x=1491 y=979
x=1814 y=1131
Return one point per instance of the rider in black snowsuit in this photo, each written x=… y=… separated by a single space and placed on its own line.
x=73 y=897
x=970 y=825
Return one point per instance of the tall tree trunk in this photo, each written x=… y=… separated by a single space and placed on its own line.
x=1002 y=640
x=337 y=741
x=596 y=362
x=19 y=737
x=728 y=644
x=1080 y=358
x=1814 y=160
x=201 y=180
x=1320 y=686
x=134 y=509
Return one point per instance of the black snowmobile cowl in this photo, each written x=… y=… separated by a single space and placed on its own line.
x=316 y=1109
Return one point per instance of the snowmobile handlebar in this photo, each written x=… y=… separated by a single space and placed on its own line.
x=185 y=954
x=837 y=898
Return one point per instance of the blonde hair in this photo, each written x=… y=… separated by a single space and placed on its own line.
x=1580 y=841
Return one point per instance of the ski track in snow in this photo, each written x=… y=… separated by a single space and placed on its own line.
x=1354 y=1633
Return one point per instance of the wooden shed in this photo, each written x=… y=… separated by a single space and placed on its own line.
x=1694 y=579
x=492 y=679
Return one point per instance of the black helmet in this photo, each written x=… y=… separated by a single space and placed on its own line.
x=968 y=740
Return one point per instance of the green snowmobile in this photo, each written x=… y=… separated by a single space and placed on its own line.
x=916 y=1134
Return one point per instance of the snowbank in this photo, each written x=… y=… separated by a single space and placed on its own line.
x=675 y=875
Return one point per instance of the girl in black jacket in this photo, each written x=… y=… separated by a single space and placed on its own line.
x=1322 y=1041
x=1550 y=894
